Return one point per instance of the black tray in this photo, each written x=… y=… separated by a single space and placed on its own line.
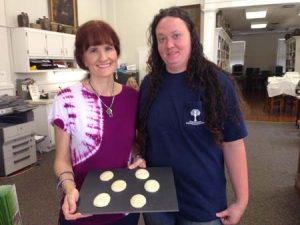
x=164 y=200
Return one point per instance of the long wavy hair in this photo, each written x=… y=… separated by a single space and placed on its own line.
x=202 y=74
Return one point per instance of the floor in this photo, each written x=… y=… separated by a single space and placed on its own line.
x=256 y=108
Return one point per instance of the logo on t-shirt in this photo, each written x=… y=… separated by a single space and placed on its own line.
x=195 y=113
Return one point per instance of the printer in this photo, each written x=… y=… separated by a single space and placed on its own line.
x=17 y=143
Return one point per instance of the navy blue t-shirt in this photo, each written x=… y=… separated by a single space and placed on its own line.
x=178 y=138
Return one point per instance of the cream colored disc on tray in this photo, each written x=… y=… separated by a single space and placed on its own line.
x=138 y=201
x=106 y=176
x=142 y=174
x=101 y=200
x=118 y=186
x=151 y=186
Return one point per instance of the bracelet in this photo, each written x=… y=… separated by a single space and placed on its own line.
x=62 y=173
x=135 y=157
x=61 y=182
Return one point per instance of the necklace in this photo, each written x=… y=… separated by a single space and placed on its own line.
x=108 y=110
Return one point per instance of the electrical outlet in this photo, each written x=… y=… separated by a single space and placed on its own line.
x=2 y=76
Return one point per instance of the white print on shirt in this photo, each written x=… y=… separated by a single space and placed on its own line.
x=195 y=113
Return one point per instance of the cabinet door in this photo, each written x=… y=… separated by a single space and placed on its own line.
x=54 y=45
x=69 y=46
x=37 y=46
x=51 y=134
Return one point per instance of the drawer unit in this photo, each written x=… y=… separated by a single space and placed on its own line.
x=12 y=132
x=18 y=148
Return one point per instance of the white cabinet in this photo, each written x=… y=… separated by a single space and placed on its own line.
x=68 y=46
x=29 y=43
x=222 y=43
x=42 y=126
x=54 y=45
x=293 y=54
x=33 y=37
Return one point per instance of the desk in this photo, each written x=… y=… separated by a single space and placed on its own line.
x=284 y=86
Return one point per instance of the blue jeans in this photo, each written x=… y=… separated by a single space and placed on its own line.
x=173 y=219
x=131 y=219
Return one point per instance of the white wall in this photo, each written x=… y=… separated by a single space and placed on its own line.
x=89 y=10
x=237 y=53
x=261 y=50
x=212 y=6
x=5 y=73
x=122 y=15
x=34 y=9
x=9 y=9
x=131 y=19
x=281 y=53
x=2 y=13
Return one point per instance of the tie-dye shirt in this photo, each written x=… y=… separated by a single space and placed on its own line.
x=97 y=140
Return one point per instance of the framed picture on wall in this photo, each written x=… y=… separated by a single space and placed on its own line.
x=63 y=12
x=194 y=12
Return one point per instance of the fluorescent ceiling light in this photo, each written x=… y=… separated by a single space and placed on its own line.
x=255 y=13
x=258 y=25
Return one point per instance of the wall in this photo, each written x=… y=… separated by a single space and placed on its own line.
x=133 y=31
x=5 y=73
x=87 y=9
x=9 y=9
x=210 y=8
x=261 y=50
x=120 y=14
x=237 y=53
x=281 y=53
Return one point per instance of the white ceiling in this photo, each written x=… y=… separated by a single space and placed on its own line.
x=280 y=18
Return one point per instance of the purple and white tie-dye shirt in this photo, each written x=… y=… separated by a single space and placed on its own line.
x=97 y=140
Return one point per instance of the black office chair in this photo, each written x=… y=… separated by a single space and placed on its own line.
x=237 y=69
x=278 y=70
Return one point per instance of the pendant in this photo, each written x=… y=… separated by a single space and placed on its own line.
x=109 y=112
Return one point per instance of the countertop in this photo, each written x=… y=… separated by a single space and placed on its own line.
x=41 y=101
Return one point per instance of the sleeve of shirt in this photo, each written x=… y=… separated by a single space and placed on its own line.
x=58 y=114
x=234 y=127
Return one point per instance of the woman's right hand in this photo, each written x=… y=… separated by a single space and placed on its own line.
x=69 y=206
x=137 y=163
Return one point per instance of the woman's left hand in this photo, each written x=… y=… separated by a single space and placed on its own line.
x=232 y=214
x=139 y=162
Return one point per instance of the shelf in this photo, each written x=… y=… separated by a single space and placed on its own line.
x=50 y=70
x=36 y=45
x=293 y=54
x=223 y=48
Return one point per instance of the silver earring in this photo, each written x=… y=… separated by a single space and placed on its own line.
x=116 y=75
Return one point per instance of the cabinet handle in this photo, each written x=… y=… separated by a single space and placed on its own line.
x=18 y=145
x=20 y=151
x=22 y=159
